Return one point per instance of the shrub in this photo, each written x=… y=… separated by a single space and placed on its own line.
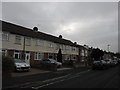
x=7 y=64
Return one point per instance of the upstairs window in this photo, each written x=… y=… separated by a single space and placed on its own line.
x=82 y=53
x=39 y=42
x=67 y=47
x=5 y=36
x=50 y=45
x=73 y=49
x=18 y=39
x=27 y=41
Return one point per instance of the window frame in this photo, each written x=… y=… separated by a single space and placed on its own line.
x=38 y=56
x=27 y=41
x=50 y=45
x=18 y=39
x=39 y=42
x=6 y=35
x=18 y=55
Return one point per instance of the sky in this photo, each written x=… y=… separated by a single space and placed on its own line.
x=91 y=23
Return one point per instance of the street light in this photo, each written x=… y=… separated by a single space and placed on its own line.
x=108 y=47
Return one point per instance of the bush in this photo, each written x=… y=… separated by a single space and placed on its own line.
x=7 y=64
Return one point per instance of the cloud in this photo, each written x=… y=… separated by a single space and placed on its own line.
x=92 y=23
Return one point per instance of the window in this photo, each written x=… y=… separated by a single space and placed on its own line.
x=28 y=41
x=5 y=36
x=51 y=55
x=18 y=39
x=39 y=42
x=73 y=48
x=67 y=47
x=39 y=56
x=73 y=57
x=86 y=53
x=4 y=52
x=63 y=47
x=50 y=45
x=67 y=57
x=17 y=55
x=82 y=53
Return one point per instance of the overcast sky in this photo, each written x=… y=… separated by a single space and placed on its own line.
x=91 y=23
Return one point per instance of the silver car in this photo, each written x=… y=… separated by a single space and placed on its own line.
x=51 y=61
x=21 y=65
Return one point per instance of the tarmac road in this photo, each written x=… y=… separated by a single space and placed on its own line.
x=108 y=78
x=81 y=77
x=36 y=79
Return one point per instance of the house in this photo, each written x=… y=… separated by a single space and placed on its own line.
x=108 y=55
x=33 y=45
x=84 y=54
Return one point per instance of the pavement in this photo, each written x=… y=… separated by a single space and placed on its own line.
x=34 y=71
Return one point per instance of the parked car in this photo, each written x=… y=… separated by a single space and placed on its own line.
x=118 y=60
x=21 y=65
x=51 y=61
x=114 y=62
x=109 y=62
x=99 y=64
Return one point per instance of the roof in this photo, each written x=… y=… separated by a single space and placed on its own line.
x=20 y=30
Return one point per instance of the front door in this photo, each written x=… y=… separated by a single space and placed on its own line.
x=27 y=58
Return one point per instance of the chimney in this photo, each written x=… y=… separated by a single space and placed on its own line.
x=35 y=29
x=75 y=43
x=60 y=36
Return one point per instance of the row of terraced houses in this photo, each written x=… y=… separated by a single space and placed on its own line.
x=36 y=45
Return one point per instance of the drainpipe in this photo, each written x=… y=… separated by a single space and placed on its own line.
x=24 y=48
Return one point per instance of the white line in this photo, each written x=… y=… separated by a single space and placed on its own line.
x=56 y=78
x=76 y=75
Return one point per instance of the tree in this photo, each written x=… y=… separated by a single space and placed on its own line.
x=59 y=56
x=97 y=54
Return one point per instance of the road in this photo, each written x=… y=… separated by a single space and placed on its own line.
x=29 y=80
x=74 y=78
x=87 y=79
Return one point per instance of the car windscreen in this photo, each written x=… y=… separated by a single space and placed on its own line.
x=53 y=60
x=107 y=60
x=45 y=60
x=19 y=61
x=96 y=62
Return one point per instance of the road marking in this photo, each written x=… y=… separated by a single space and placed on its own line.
x=76 y=75
x=56 y=78
x=46 y=80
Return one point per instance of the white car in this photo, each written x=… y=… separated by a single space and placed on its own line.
x=21 y=65
x=115 y=62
